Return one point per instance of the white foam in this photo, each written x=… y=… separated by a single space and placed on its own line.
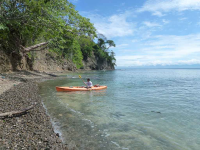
x=107 y=135
x=55 y=126
x=115 y=143
x=125 y=148
x=76 y=111
x=88 y=120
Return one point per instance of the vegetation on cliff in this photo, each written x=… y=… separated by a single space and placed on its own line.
x=28 y=26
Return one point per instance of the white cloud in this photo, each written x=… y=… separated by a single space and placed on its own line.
x=128 y=57
x=143 y=47
x=184 y=18
x=134 y=40
x=164 y=50
x=176 y=45
x=112 y=26
x=157 y=13
x=165 y=21
x=158 y=6
x=151 y=24
x=189 y=62
x=152 y=61
x=121 y=45
x=198 y=23
x=141 y=60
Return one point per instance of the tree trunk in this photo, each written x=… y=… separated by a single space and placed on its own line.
x=28 y=49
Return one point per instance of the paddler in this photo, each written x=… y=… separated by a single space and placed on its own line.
x=89 y=83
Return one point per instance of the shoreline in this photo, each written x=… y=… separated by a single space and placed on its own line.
x=33 y=129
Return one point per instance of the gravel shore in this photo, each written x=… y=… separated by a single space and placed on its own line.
x=32 y=130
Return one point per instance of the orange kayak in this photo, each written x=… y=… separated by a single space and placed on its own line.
x=78 y=88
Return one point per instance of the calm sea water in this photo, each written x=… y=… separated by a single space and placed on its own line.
x=142 y=109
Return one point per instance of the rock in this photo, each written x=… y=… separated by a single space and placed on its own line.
x=156 y=112
x=32 y=130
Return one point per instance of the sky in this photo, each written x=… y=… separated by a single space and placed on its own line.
x=148 y=32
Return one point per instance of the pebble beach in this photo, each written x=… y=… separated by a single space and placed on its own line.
x=31 y=130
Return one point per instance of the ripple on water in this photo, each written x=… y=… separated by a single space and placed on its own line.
x=142 y=109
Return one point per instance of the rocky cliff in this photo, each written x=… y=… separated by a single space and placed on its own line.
x=46 y=61
x=92 y=63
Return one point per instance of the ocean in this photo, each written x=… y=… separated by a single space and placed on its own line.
x=142 y=109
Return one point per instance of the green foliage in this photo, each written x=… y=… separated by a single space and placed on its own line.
x=86 y=44
x=29 y=55
x=105 y=44
x=77 y=56
x=110 y=43
x=111 y=59
x=102 y=53
x=25 y=23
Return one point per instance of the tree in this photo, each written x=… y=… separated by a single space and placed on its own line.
x=101 y=50
x=33 y=25
x=105 y=44
x=110 y=43
x=24 y=22
x=77 y=56
x=86 y=44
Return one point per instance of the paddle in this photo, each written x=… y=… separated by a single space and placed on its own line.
x=82 y=80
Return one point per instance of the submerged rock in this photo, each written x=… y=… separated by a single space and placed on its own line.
x=156 y=112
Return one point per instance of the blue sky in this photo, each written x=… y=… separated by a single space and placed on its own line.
x=148 y=32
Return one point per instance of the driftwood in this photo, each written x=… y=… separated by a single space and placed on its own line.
x=41 y=49
x=28 y=49
x=17 y=113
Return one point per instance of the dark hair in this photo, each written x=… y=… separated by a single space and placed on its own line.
x=88 y=79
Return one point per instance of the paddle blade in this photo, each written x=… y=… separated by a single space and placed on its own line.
x=79 y=76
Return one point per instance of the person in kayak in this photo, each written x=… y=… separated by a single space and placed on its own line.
x=89 y=83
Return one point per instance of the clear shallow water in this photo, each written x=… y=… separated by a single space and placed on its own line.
x=150 y=109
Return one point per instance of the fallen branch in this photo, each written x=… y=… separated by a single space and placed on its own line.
x=41 y=49
x=16 y=113
x=28 y=49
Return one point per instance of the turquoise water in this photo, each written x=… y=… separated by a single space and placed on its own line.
x=142 y=109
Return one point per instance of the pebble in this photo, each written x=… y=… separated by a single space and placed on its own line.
x=23 y=129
